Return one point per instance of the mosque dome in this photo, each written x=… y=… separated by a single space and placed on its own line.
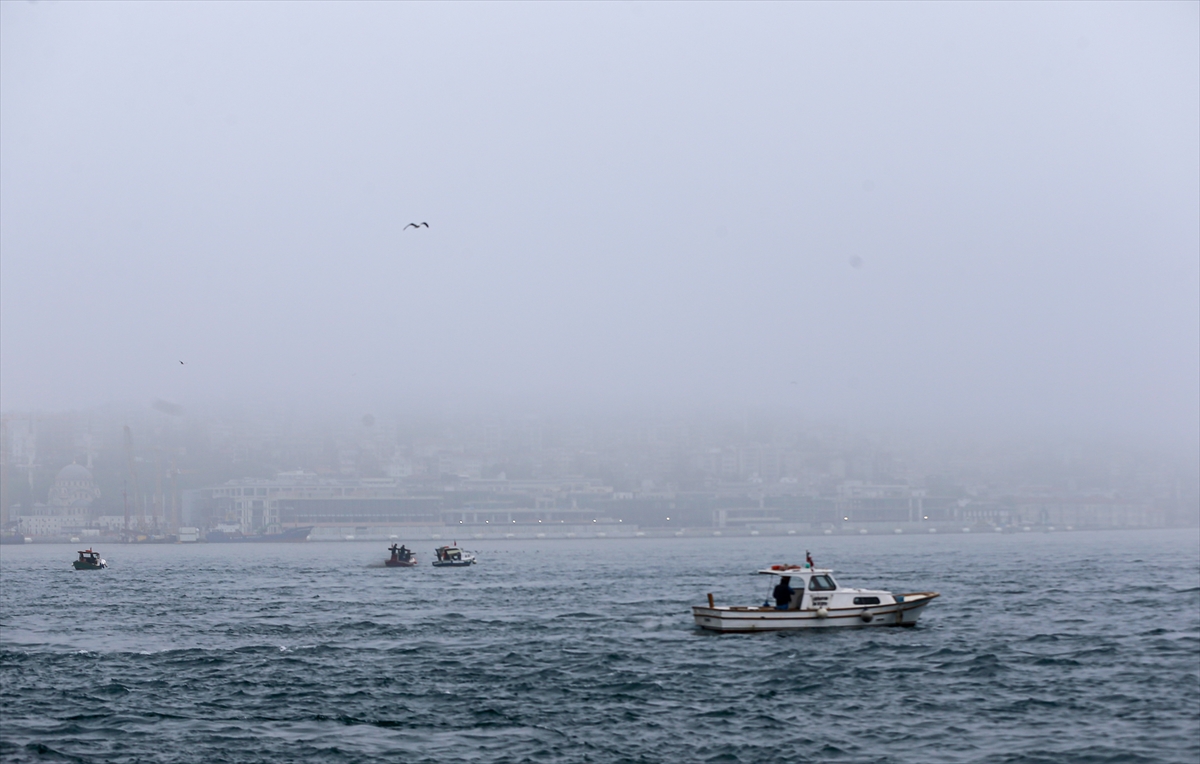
x=73 y=472
x=73 y=490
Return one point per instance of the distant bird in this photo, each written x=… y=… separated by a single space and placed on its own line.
x=181 y=363
x=415 y=225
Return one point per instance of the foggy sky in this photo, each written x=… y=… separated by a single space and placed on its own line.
x=981 y=215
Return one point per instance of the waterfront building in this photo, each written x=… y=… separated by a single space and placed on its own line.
x=299 y=499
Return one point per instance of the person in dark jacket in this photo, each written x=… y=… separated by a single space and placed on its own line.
x=783 y=593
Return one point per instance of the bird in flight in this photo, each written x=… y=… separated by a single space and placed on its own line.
x=181 y=363
x=415 y=225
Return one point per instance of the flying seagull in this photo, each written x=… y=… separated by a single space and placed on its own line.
x=415 y=225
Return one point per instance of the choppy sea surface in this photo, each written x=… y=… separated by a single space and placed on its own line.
x=1059 y=648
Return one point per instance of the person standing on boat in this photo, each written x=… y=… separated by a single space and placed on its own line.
x=783 y=593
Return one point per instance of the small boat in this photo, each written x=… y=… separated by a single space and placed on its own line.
x=452 y=557
x=817 y=601
x=89 y=560
x=402 y=557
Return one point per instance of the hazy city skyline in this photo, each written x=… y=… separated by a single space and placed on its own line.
x=975 y=217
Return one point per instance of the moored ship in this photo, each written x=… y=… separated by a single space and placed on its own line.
x=291 y=534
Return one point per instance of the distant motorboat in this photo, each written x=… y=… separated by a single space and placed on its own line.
x=452 y=557
x=89 y=560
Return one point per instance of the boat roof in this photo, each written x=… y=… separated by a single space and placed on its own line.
x=793 y=570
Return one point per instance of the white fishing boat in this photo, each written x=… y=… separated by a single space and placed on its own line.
x=452 y=557
x=808 y=597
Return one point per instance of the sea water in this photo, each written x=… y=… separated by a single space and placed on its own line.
x=1060 y=648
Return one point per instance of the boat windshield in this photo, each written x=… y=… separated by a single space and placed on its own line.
x=821 y=584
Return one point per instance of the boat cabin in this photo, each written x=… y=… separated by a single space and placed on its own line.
x=89 y=560
x=804 y=587
x=449 y=554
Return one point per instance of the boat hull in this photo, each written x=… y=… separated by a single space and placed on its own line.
x=728 y=620
x=460 y=564
x=88 y=566
x=400 y=563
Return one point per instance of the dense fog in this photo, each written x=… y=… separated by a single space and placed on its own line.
x=969 y=219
